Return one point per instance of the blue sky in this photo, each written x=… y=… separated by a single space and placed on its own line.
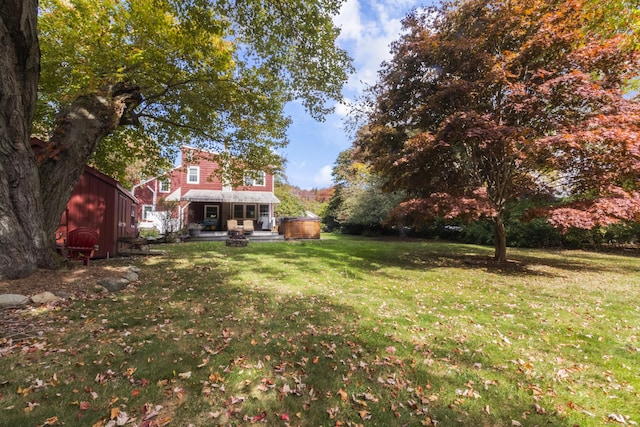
x=368 y=28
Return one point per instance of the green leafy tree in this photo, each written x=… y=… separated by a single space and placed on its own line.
x=290 y=204
x=130 y=81
x=358 y=201
x=486 y=102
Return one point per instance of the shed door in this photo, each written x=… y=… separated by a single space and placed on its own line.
x=124 y=215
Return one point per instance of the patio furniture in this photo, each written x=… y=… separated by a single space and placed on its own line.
x=232 y=226
x=247 y=226
x=80 y=244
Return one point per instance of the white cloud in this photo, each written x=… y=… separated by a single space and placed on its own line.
x=349 y=20
x=323 y=178
x=342 y=108
x=368 y=28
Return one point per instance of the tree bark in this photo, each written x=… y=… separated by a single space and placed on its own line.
x=499 y=239
x=23 y=242
x=34 y=194
x=79 y=130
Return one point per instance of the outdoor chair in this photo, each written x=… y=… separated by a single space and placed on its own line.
x=80 y=244
x=247 y=226
x=232 y=226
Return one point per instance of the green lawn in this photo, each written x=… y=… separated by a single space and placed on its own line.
x=340 y=332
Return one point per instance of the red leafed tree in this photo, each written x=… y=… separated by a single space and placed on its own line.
x=489 y=101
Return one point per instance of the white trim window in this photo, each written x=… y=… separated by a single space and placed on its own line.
x=193 y=175
x=260 y=180
x=146 y=210
x=165 y=186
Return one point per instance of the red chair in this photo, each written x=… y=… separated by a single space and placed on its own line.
x=80 y=244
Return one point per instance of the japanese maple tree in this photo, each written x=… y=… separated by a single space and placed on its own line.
x=488 y=101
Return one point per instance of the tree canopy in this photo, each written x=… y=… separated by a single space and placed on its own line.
x=489 y=101
x=358 y=204
x=211 y=74
x=127 y=82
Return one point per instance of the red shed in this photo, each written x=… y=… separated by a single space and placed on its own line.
x=102 y=204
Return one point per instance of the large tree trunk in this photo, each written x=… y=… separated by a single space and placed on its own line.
x=499 y=239
x=79 y=130
x=23 y=242
x=34 y=194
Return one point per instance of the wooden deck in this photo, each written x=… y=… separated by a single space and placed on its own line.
x=256 y=236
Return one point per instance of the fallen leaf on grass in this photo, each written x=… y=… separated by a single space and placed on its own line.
x=365 y=415
x=118 y=418
x=370 y=397
x=150 y=412
x=618 y=418
x=260 y=417
x=30 y=407
x=51 y=421
x=114 y=413
x=333 y=412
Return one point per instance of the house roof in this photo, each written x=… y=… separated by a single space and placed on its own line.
x=174 y=196
x=230 y=196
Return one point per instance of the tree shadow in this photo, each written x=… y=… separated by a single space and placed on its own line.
x=297 y=353
x=376 y=255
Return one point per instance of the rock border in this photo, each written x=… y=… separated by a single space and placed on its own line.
x=107 y=284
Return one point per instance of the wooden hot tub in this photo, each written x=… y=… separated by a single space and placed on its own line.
x=300 y=228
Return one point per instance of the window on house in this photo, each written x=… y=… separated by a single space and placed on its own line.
x=238 y=211
x=193 y=175
x=165 y=186
x=244 y=211
x=260 y=180
x=146 y=210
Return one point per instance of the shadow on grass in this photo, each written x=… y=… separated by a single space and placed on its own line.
x=220 y=336
x=319 y=358
x=374 y=255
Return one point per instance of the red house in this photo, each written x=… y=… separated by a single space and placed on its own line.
x=204 y=199
x=103 y=205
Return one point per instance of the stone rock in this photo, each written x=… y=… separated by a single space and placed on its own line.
x=237 y=242
x=134 y=269
x=44 y=298
x=63 y=295
x=112 y=284
x=13 y=300
x=100 y=288
x=131 y=276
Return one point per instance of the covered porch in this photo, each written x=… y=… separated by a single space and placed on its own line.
x=219 y=236
x=213 y=208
